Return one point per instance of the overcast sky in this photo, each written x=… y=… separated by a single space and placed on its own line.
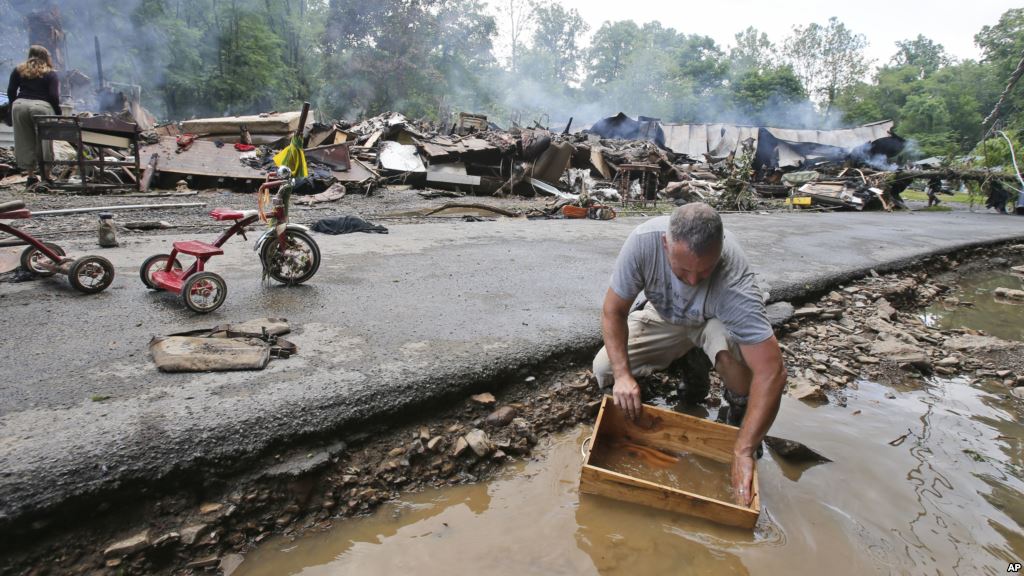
x=883 y=22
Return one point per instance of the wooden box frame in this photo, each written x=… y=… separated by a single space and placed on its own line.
x=672 y=432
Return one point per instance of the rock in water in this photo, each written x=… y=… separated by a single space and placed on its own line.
x=479 y=442
x=793 y=451
x=502 y=416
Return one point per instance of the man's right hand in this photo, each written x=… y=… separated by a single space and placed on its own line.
x=626 y=393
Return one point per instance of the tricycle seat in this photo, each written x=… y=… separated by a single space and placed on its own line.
x=227 y=214
x=197 y=248
x=13 y=210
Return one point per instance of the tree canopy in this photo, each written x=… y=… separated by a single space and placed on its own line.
x=524 y=60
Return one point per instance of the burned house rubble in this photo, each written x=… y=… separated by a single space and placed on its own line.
x=616 y=163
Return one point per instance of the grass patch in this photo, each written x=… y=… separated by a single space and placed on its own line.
x=958 y=197
x=99 y=397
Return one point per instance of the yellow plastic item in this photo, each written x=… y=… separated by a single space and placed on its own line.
x=293 y=157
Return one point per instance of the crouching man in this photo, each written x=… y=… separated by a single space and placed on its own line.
x=700 y=292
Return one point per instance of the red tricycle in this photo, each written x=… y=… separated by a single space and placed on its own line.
x=288 y=252
x=89 y=274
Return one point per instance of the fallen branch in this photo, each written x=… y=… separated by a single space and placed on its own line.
x=448 y=205
x=1006 y=92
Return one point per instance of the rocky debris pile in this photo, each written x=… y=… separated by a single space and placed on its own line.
x=872 y=329
x=209 y=526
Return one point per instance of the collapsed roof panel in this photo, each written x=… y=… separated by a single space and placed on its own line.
x=270 y=123
x=718 y=140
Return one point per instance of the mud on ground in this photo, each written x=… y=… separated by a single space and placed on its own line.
x=868 y=329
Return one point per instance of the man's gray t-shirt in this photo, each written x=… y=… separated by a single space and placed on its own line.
x=729 y=294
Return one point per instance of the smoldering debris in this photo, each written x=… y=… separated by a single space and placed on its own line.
x=633 y=164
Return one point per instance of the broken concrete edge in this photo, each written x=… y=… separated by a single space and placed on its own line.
x=24 y=513
x=130 y=485
x=805 y=290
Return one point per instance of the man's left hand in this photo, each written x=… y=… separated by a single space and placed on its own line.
x=742 y=478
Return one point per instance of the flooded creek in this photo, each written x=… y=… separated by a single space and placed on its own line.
x=1002 y=319
x=946 y=499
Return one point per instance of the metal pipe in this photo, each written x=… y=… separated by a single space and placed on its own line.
x=1013 y=156
x=113 y=208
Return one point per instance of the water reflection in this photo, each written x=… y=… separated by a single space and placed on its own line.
x=623 y=538
x=978 y=308
x=947 y=500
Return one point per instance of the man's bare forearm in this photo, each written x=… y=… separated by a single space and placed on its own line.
x=616 y=332
x=762 y=407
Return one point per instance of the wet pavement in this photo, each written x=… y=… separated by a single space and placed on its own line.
x=389 y=323
x=948 y=499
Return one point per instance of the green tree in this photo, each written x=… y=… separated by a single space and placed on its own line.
x=827 y=59
x=556 y=54
x=921 y=53
x=861 y=104
x=519 y=16
x=753 y=51
x=701 y=60
x=995 y=153
x=1002 y=46
x=759 y=94
x=403 y=55
x=610 y=50
x=250 y=75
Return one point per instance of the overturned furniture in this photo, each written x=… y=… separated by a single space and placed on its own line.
x=662 y=439
x=646 y=176
x=99 y=135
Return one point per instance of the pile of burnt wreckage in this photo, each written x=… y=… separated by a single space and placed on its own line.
x=617 y=161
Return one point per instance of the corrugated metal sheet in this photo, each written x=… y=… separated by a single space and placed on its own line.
x=695 y=140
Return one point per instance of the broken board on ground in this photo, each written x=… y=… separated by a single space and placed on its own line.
x=665 y=433
x=203 y=158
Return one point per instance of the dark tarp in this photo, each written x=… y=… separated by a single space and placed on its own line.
x=346 y=225
x=622 y=127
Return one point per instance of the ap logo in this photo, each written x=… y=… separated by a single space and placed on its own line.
x=1014 y=568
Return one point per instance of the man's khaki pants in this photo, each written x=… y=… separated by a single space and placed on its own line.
x=654 y=343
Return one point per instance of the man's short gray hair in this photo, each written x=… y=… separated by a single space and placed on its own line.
x=698 y=225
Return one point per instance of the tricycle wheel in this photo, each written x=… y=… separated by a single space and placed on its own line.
x=153 y=264
x=296 y=262
x=91 y=274
x=204 y=292
x=32 y=260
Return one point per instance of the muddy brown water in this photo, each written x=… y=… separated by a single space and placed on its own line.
x=1003 y=319
x=948 y=499
x=684 y=471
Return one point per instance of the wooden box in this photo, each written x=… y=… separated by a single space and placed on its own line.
x=670 y=433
